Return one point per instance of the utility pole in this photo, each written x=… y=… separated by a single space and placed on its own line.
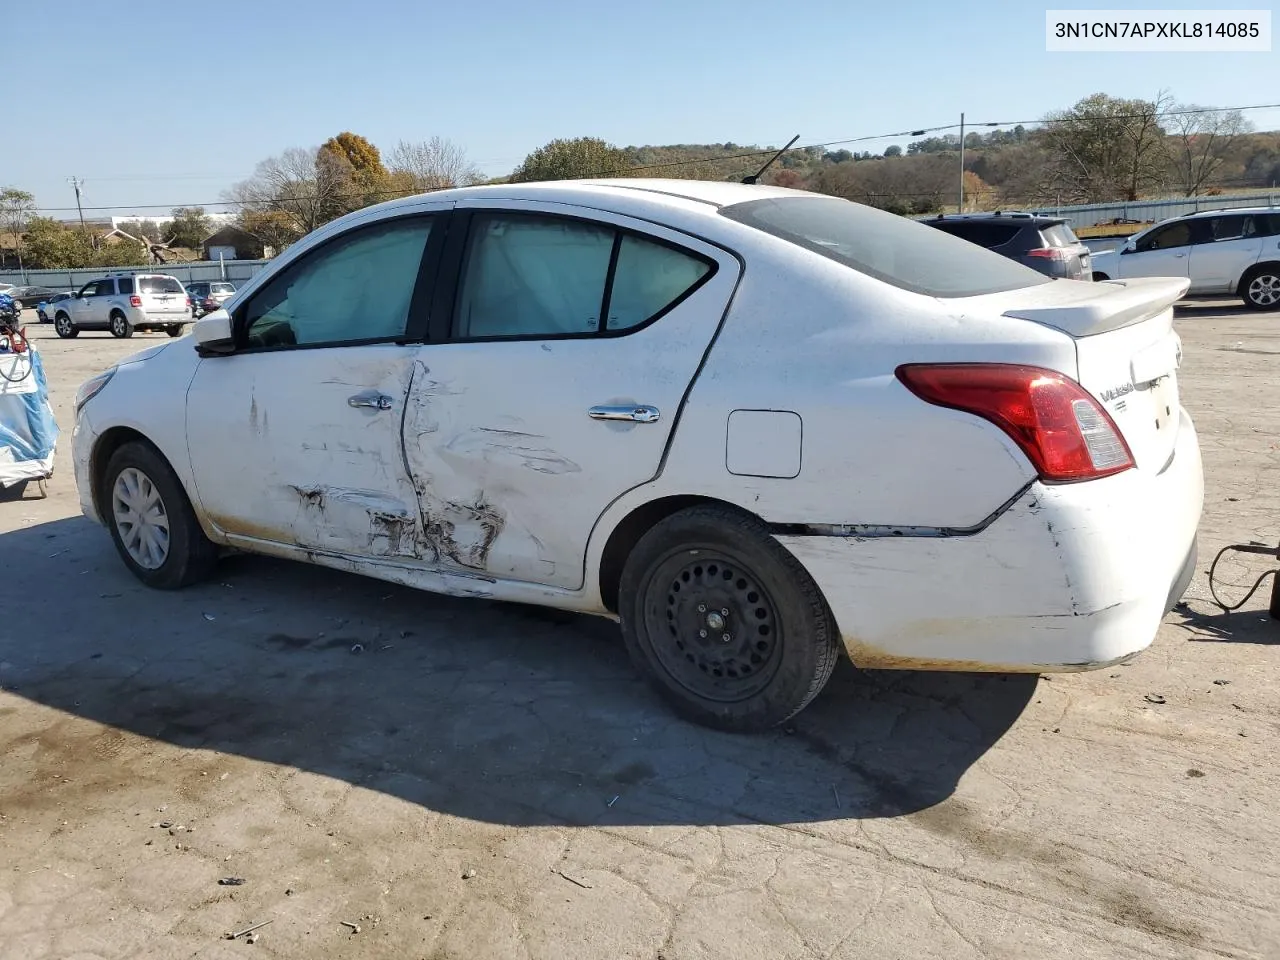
x=77 y=183
x=960 y=208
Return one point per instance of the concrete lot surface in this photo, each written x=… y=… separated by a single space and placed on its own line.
x=485 y=781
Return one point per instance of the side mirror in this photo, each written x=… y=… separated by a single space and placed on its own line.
x=1130 y=246
x=213 y=334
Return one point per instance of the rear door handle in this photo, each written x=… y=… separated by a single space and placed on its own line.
x=375 y=401
x=642 y=413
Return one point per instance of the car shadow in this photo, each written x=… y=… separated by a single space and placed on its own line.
x=490 y=711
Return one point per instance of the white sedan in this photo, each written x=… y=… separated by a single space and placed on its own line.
x=756 y=426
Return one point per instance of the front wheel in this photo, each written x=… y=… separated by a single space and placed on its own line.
x=120 y=326
x=727 y=625
x=151 y=520
x=64 y=328
x=1261 y=289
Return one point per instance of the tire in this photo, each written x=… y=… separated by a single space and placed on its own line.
x=64 y=328
x=120 y=326
x=174 y=330
x=677 y=582
x=186 y=555
x=1260 y=288
x=1099 y=277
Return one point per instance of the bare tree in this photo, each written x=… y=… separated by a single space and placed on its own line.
x=1106 y=148
x=435 y=164
x=1201 y=142
x=306 y=186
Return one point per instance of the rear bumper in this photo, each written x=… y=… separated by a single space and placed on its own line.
x=1070 y=577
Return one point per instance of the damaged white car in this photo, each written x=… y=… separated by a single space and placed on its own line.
x=757 y=426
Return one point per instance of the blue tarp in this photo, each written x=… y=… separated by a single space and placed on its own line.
x=27 y=425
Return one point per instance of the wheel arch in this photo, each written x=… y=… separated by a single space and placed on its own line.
x=628 y=531
x=1254 y=270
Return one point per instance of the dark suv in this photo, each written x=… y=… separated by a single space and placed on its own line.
x=1046 y=244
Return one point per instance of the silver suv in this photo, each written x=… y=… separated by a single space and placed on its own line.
x=1225 y=253
x=123 y=303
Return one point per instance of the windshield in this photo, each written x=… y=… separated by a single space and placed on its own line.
x=159 y=285
x=898 y=251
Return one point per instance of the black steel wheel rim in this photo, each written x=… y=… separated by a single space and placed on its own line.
x=711 y=625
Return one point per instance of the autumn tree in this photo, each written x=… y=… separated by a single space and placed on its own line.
x=582 y=158
x=1202 y=141
x=435 y=164
x=189 y=227
x=357 y=163
x=17 y=207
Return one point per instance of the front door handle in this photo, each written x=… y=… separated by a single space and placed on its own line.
x=376 y=401
x=632 y=414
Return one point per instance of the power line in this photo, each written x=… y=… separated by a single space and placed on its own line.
x=669 y=164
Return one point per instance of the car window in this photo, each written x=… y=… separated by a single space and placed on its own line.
x=533 y=276
x=1265 y=224
x=125 y=284
x=1163 y=238
x=159 y=285
x=105 y=288
x=356 y=288
x=221 y=288
x=1227 y=228
x=983 y=234
x=649 y=279
x=885 y=246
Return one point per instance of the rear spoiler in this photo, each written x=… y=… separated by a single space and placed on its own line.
x=1108 y=305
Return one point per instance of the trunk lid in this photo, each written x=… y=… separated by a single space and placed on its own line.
x=1127 y=352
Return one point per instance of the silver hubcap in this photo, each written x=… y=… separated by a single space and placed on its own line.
x=63 y=325
x=141 y=519
x=1265 y=290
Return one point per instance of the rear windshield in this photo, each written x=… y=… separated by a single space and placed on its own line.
x=898 y=251
x=158 y=285
x=222 y=288
x=1058 y=235
x=984 y=234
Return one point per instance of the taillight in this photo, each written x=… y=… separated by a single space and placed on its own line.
x=135 y=301
x=1050 y=253
x=1065 y=433
x=188 y=301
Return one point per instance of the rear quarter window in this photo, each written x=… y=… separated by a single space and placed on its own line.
x=159 y=285
x=905 y=254
x=125 y=284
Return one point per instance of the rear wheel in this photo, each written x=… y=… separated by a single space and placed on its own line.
x=64 y=328
x=151 y=520
x=1261 y=289
x=120 y=326
x=174 y=330
x=726 y=624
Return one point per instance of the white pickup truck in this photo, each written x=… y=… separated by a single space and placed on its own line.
x=123 y=303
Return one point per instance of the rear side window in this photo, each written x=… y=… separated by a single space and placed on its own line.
x=159 y=285
x=649 y=278
x=1058 y=235
x=125 y=284
x=892 y=249
x=1228 y=228
x=983 y=234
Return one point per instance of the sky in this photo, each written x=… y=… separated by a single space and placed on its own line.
x=185 y=102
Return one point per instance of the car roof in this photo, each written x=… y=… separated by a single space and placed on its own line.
x=1024 y=219
x=1221 y=210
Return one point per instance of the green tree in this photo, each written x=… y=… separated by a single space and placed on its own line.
x=189 y=228
x=581 y=158
x=893 y=151
x=1108 y=148
x=52 y=246
x=17 y=207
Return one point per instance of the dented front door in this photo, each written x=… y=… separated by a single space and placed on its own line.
x=522 y=429
x=295 y=438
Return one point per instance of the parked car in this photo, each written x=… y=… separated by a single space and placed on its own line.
x=123 y=303
x=755 y=425
x=45 y=308
x=1046 y=244
x=31 y=296
x=1222 y=253
x=207 y=295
